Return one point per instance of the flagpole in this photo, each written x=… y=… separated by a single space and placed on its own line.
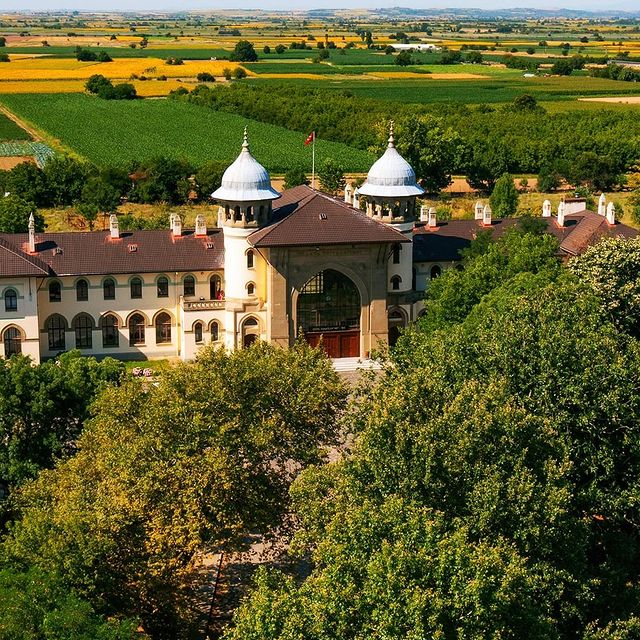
x=313 y=161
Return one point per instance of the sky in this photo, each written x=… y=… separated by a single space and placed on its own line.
x=182 y=5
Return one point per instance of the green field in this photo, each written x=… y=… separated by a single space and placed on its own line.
x=111 y=132
x=492 y=90
x=9 y=130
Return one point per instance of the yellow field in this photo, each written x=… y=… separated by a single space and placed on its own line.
x=146 y=89
x=120 y=68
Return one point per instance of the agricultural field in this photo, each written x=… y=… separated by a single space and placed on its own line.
x=111 y=132
x=9 y=130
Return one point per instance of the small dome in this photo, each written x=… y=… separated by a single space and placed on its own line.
x=391 y=176
x=246 y=180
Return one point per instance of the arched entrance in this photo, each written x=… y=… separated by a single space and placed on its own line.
x=328 y=310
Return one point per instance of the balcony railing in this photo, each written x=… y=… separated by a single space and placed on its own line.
x=200 y=305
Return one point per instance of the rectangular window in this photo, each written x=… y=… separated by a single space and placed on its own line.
x=163 y=288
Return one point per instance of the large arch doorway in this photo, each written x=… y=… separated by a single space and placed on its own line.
x=328 y=312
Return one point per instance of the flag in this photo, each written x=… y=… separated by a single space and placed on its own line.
x=311 y=138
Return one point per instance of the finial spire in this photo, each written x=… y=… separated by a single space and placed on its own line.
x=245 y=139
x=391 y=138
x=32 y=221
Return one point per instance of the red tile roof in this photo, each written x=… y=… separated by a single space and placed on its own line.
x=97 y=253
x=14 y=262
x=307 y=217
x=580 y=230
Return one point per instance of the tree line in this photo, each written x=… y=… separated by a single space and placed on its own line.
x=591 y=148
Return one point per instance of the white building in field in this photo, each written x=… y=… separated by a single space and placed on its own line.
x=265 y=265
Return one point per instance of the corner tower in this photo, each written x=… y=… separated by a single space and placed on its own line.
x=245 y=197
x=391 y=190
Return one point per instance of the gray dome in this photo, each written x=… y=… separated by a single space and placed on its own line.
x=246 y=180
x=391 y=176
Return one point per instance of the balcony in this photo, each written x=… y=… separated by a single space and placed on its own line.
x=202 y=305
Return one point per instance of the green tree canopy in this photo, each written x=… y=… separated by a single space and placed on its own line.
x=331 y=176
x=504 y=197
x=244 y=52
x=294 y=177
x=199 y=460
x=14 y=215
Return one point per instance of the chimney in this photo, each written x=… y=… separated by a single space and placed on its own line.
x=561 y=214
x=114 y=227
x=602 y=205
x=546 y=209
x=478 y=210
x=356 y=200
x=424 y=213
x=348 y=193
x=201 y=225
x=611 y=214
x=432 y=221
x=486 y=215
x=32 y=234
x=176 y=225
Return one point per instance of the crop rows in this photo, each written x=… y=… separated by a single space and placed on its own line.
x=111 y=132
x=9 y=130
x=39 y=150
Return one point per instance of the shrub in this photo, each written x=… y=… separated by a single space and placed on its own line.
x=205 y=76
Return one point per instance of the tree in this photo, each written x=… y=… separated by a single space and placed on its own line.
x=37 y=604
x=123 y=91
x=98 y=84
x=331 y=176
x=3 y=41
x=239 y=73
x=404 y=59
x=597 y=171
x=525 y=102
x=85 y=55
x=243 y=52
x=610 y=269
x=294 y=177
x=207 y=457
x=43 y=409
x=208 y=178
x=27 y=181
x=474 y=57
x=431 y=149
x=98 y=196
x=266 y=49
x=280 y=48
x=65 y=178
x=504 y=197
x=103 y=56
x=634 y=204
x=14 y=215
x=548 y=180
x=562 y=68
x=162 y=180
x=205 y=76
x=488 y=464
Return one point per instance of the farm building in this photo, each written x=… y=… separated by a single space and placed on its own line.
x=348 y=272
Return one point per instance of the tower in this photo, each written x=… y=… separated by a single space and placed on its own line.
x=245 y=197
x=391 y=190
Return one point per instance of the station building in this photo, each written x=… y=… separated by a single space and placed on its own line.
x=348 y=272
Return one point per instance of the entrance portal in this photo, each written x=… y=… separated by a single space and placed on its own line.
x=328 y=313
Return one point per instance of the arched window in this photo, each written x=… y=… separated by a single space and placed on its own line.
x=227 y=212
x=83 y=327
x=249 y=259
x=163 y=287
x=249 y=214
x=251 y=289
x=12 y=342
x=189 y=286
x=414 y=278
x=237 y=214
x=10 y=300
x=136 y=329
x=215 y=331
x=435 y=272
x=249 y=332
x=55 y=292
x=395 y=282
x=197 y=332
x=215 y=288
x=135 y=287
x=163 y=328
x=55 y=331
x=109 y=289
x=396 y=253
x=261 y=213
x=110 y=335
x=82 y=290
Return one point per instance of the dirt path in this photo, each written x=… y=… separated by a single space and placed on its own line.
x=614 y=99
x=23 y=125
